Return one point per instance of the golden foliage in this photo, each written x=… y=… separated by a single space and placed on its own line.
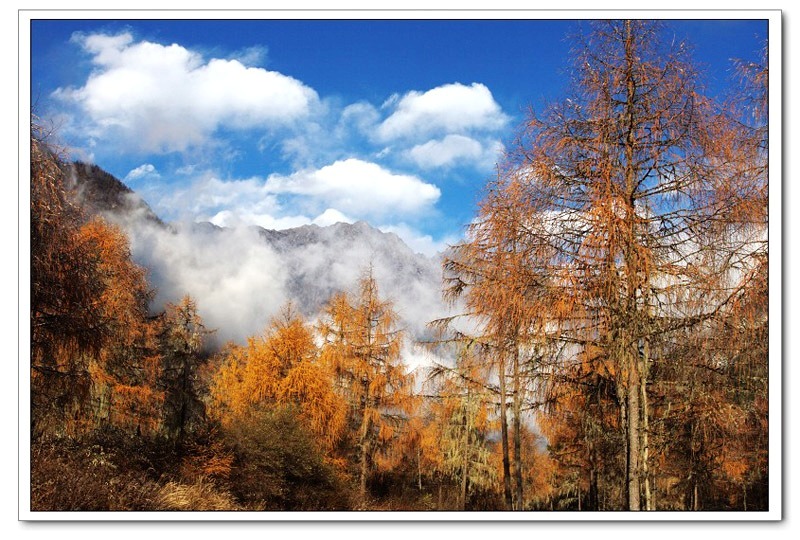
x=280 y=368
x=362 y=349
x=92 y=348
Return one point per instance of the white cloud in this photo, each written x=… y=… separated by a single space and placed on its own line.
x=236 y=278
x=251 y=56
x=451 y=108
x=186 y=169
x=454 y=150
x=438 y=153
x=208 y=195
x=167 y=98
x=419 y=242
x=344 y=191
x=359 y=188
x=362 y=115
x=243 y=217
x=146 y=169
x=331 y=216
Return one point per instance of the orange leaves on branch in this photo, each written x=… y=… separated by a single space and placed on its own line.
x=362 y=347
x=309 y=384
x=92 y=347
x=125 y=293
x=280 y=368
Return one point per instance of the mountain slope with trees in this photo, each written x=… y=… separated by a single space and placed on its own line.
x=606 y=346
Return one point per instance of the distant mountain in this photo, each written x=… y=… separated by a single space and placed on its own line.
x=320 y=260
x=241 y=277
x=102 y=193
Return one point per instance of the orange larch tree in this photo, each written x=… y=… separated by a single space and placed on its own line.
x=627 y=216
x=126 y=369
x=93 y=353
x=362 y=345
x=280 y=368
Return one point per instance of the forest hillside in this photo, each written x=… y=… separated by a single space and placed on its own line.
x=597 y=340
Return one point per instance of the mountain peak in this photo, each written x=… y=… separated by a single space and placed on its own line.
x=240 y=279
x=102 y=193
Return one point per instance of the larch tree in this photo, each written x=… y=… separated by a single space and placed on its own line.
x=93 y=354
x=581 y=424
x=64 y=288
x=362 y=345
x=280 y=368
x=633 y=170
x=126 y=369
x=628 y=202
x=456 y=434
x=507 y=295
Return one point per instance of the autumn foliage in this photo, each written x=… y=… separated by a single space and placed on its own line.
x=281 y=368
x=610 y=352
x=611 y=269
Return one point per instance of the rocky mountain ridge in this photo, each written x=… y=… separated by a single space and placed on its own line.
x=241 y=277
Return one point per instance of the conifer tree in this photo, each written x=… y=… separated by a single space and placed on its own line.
x=362 y=344
x=628 y=217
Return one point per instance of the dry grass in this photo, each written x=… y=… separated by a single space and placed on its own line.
x=200 y=496
x=68 y=477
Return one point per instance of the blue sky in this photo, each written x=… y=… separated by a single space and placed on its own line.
x=283 y=123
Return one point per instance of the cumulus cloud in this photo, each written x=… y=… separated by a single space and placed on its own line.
x=438 y=153
x=455 y=150
x=358 y=187
x=164 y=98
x=344 y=191
x=144 y=170
x=206 y=195
x=451 y=108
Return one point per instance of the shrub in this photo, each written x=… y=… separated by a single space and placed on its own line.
x=278 y=463
x=69 y=476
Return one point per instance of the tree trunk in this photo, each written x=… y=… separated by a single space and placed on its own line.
x=744 y=496
x=622 y=396
x=634 y=467
x=517 y=411
x=504 y=437
x=645 y=450
x=465 y=462
x=184 y=392
x=464 y=483
x=419 y=469
x=629 y=346
x=362 y=485
x=364 y=446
